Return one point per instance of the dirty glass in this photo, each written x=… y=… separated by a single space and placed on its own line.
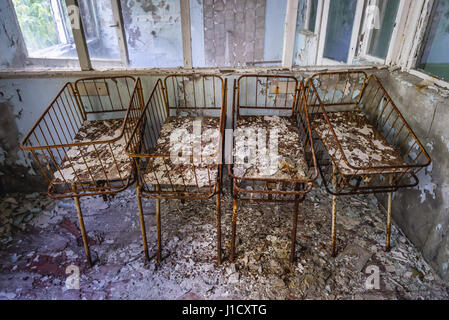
x=339 y=29
x=380 y=38
x=45 y=28
x=99 y=29
x=304 y=40
x=153 y=33
x=237 y=33
x=434 y=57
x=312 y=18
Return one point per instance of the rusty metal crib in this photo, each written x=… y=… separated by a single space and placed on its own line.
x=363 y=143
x=177 y=145
x=79 y=141
x=266 y=106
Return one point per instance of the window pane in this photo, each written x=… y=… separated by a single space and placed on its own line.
x=153 y=33
x=236 y=32
x=45 y=28
x=435 y=57
x=101 y=35
x=339 y=29
x=314 y=6
x=380 y=38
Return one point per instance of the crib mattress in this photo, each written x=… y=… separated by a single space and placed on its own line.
x=279 y=153
x=362 y=144
x=96 y=162
x=179 y=138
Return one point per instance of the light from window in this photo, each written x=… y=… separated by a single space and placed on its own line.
x=435 y=54
x=339 y=29
x=380 y=38
x=45 y=28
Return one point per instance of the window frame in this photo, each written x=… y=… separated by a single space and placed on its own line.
x=406 y=43
x=367 y=33
x=307 y=19
x=58 y=62
x=61 y=23
x=422 y=32
x=407 y=52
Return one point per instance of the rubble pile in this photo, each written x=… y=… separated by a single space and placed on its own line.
x=16 y=210
x=40 y=238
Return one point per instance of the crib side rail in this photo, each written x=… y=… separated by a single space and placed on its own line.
x=361 y=179
x=305 y=131
x=99 y=95
x=57 y=126
x=381 y=111
x=194 y=94
x=257 y=94
x=277 y=189
x=148 y=126
x=339 y=90
x=83 y=166
x=170 y=175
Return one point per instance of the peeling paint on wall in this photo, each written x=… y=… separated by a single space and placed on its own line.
x=426 y=186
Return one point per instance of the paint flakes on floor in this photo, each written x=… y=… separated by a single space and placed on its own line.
x=39 y=239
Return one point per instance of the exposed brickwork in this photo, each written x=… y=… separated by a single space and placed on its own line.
x=234 y=31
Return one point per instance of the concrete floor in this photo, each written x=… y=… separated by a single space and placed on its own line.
x=39 y=239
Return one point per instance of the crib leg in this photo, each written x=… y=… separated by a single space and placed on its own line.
x=234 y=225
x=158 y=223
x=334 y=224
x=334 y=213
x=142 y=225
x=218 y=226
x=83 y=230
x=390 y=205
x=294 y=230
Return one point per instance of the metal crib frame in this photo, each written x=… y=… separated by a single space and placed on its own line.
x=51 y=139
x=355 y=91
x=294 y=108
x=177 y=94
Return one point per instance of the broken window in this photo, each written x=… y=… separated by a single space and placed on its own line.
x=434 y=58
x=45 y=28
x=236 y=32
x=384 y=22
x=153 y=32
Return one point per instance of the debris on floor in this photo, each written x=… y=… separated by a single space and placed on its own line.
x=42 y=255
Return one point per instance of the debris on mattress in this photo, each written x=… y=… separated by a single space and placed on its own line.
x=186 y=152
x=96 y=161
x=268 y=147
x=362 y=145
